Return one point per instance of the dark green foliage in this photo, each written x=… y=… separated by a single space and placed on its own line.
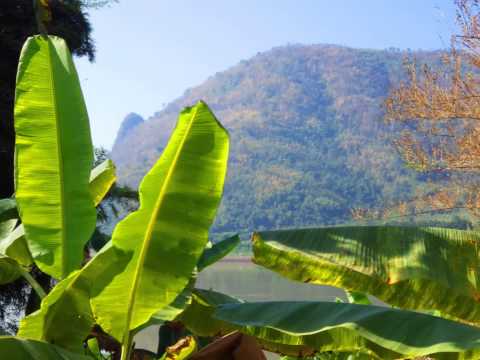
x=308 y=138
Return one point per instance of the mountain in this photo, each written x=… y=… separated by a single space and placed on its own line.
x=130 y=122
x=308 y=141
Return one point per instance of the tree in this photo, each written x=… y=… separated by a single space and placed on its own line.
x=441 y=107
x=69 y=20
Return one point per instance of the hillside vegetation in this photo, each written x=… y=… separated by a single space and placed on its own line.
x=308 y=141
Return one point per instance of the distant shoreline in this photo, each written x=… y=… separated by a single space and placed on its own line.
x=236 y=259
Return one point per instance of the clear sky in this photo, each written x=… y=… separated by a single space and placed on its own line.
x=150 y=51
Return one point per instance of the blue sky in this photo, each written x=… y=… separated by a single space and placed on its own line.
x=150 y=51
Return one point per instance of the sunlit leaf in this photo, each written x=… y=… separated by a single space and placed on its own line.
x=65 y=317
x=178 y=201
x=14 y=245
x=412 y=268
x=53 y=156
x=102 y=178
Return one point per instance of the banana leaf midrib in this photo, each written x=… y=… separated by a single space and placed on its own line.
x=148 y=233
x=60 y=160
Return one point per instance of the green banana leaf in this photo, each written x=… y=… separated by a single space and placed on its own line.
x=8 y=209
x=65 y=316
x=217 y=251
x=199 y=317
x=174 y=309
x=9 y=268
x=93 y=349
x=14 y=245
x=53 y=156
x=20 y=349
x=102 y=178
x=404 y=332
x=178 y=201
x=412 y=268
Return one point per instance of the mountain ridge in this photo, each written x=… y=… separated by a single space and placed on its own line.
x=307 y=135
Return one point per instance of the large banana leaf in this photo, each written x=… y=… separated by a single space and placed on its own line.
x=20 y=349
x=413 y=268
x=65 y=317
x=178 y=201
x=306 y=327
x=405 y=332
x=199 y=317
x=53 y=156
x=102 y=178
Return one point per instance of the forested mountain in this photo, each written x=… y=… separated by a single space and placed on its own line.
x=308 y=141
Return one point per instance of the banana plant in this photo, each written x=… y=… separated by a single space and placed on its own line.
x=178 y=201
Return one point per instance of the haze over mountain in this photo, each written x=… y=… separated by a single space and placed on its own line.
x=308 y=141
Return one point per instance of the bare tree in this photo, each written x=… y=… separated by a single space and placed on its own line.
x=440 y=108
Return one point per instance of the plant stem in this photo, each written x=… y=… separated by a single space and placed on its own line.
x=38 y=8
x=33 y=283
x=126 y=347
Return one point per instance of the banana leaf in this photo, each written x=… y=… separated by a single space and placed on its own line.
x=9 y=268
x=408 y=333
x=217 y=251
x=199 y=317
x=14 y=245
x=65 y=316
x=174 y=309
x=53 y=156
x=305 y=328
x=408 y=267
x=20 y=349
x=102 y=178
x=8 y=209
x=166 y=236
